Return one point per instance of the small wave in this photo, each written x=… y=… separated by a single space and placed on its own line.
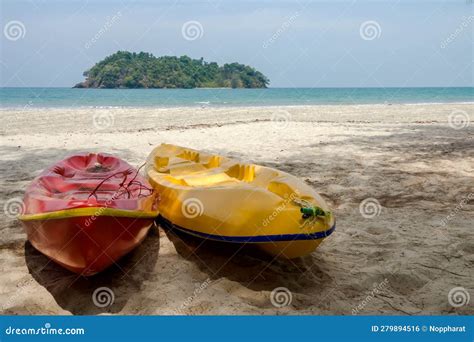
x=104 y=107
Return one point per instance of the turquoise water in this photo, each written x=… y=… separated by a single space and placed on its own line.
x=67 y=97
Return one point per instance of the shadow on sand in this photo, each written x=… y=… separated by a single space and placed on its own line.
x=74 y=293
x=246 y=264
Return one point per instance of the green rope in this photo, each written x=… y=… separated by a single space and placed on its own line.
x=314 y=212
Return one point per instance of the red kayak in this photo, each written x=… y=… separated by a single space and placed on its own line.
x=87 y=211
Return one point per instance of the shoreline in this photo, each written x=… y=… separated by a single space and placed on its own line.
x=232 y=106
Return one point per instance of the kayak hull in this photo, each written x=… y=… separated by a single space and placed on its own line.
x=87 y=244
x=219 y=198
x=275 y=245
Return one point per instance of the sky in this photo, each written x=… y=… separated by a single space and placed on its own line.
x=50 y=43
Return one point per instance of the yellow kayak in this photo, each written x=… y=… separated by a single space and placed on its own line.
x=223 y=199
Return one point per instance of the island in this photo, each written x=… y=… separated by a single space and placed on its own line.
x=126 y=69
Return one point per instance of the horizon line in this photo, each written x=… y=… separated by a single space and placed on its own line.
x=332 y=87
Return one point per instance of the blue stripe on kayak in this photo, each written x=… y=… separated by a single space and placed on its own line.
x=253 y=239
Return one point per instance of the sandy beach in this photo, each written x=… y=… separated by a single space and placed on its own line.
x=402 y=260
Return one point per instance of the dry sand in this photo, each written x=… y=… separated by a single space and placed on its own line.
x=405 y=260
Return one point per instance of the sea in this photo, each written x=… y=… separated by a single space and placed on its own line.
x=69 y=97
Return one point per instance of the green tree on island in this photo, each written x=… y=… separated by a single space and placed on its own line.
x=143 y=70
